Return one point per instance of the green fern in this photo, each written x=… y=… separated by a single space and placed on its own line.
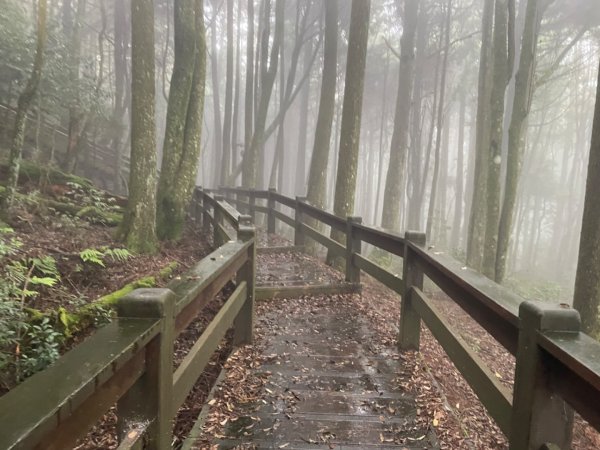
x=93 y=256
x=98 y=256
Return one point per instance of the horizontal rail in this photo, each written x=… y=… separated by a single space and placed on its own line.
x=322 y=216
x=385 y=240
x=52 y=398
x=335 y=247
x=392 y=281
x=284 y=218
x=494 y=307
x=229 y=212
x=205 y=280
x=494 y=396
x=574 y=359
x=287 y=201
x=198 y=356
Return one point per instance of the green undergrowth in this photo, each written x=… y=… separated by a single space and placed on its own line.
x=32 y=338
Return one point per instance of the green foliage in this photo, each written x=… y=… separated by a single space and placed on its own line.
x=98 y=256
x=42 y=348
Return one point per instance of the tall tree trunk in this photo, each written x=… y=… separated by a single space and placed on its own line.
x=516 y=133
x=502 y=72
x=139 y=220
x=24 y=102
x=214 y=70
x=345 y=185
x=587 y=281
x=249 y=94
x=303 y=127
x=415 y=205
x=459 y=184
x=478 y=203
x=227 y=150
x=168 y=225
x=268 y=68
x=394 y=182
x=317 y=175
x=122 y=100
x=440 y=120
x=236 y=96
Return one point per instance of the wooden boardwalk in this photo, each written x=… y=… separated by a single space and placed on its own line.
x=329 y=384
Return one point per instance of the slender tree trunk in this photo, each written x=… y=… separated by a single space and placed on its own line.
x=516 y=132
x=345 y=185
x=502 y=71
x=139 y=220
x=268 y=67
x=236 y=97
x=303 y=127
x=587 y=281
x=226 y=160
x=24 y=102
x=77 y=117
x=394 y=182
x=214 y=70
x=459 y=185
x=477 y=219
x=317 y=176
x=249 y=94
x=440 y=120
x=169 y=219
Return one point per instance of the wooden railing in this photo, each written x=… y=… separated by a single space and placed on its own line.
x=557 y=366
x=130 y=361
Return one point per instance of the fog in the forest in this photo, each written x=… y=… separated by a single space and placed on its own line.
x=89 y=71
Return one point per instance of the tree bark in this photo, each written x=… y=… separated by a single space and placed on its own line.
x=516 y=133
x=394 y=182
x=477 y=219
x=268 y=69
x=181 y=149
x=587 y=281
x=345 y=185
x=502 y=71
x=227 y=150
x=24 y=102
x=138 y=228
x=317 y=175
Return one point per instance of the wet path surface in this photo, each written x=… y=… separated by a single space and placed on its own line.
x=329 y=385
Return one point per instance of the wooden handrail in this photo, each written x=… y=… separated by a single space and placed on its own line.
x=130 y=361
x=566 y=363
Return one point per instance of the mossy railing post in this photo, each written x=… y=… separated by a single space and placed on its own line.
x=270 y=213
x=540 y=416
x=218 y=220
x=244 y=322
x=150 y=398
x=410 y=321
x=353 y=245
x=299 y=236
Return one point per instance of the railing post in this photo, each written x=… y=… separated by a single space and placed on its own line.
x=218 y=216
x=271 y=214
x=299 y=237
x=244 y=322
x=205 y=214
x=197 y=205
x=252 y=203
x=540 y=416
x=410 y=321
x=150 y=398
x=353 y=245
